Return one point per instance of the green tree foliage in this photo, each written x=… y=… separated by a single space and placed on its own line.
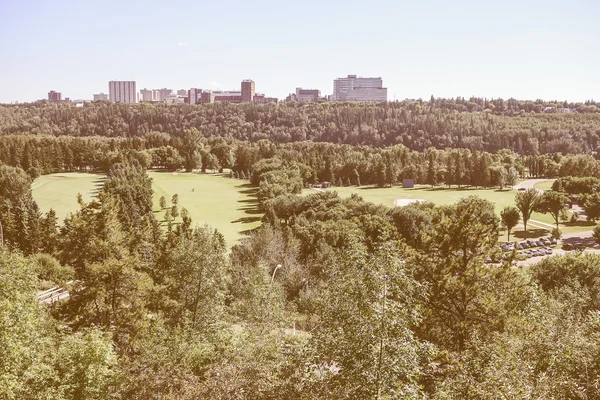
x=22 y=330
x=38 y=361
x=22 y=223
x=576 y=185
x=510 y=217
x=596 y=234
x=591 y=205
x=527 y=202
x=464 y=293
x=194 y=276
x=364 y=347
x=553 y=203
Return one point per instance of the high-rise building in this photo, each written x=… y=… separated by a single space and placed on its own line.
x=248 y=90
x=146 y=95
x=194 y=96
x=122 y=91
x=100 y=97
x=161 y=94
x=307 y=94
x=182 y=92
x=207 y=97
x=54 y=96
x=354 y=88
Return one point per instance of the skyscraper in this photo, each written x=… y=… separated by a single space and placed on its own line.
x=248 y=91
x=194 y=96
x=358 y=89
x=54 y=96
x=122 y=91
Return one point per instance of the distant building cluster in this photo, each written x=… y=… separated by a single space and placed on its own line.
x=351 y=88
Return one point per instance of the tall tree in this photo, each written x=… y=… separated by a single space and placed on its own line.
x=510 y=218
x=526 y=202
x=553 y=203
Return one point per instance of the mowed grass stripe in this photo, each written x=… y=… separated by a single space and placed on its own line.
x=59 y=191
x=225 y=204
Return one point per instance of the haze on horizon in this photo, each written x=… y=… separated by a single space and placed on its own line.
x=528 y=50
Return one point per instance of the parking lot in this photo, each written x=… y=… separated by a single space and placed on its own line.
x=534 y=250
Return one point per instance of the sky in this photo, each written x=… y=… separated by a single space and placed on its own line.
x=527 y=49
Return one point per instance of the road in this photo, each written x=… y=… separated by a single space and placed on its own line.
x=530 y=184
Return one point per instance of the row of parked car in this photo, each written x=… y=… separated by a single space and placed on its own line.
x=574 y=246
x=528 y=244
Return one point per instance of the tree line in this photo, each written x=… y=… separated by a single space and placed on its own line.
x=477 y=124
x=339 y=164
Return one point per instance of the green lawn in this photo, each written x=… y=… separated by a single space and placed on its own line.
x=59 y=191
x=547 y=185
x=223 y=203
x=443 y=196
x=226 y=204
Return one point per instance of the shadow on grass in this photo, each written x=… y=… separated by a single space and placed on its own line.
x=249 y=201
x=246 y=220
x=249 y=192
x=588 y=242
x=580 y=223
x=530 y=234
x=250 y=210
x=248 y=232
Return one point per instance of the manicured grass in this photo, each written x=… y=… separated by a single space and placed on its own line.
x=226 y=204
x=442 y=195
x=59 y=191
x=439 y=195
x=546 y=185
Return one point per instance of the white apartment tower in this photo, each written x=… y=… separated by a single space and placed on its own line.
x=123 y=91
x=363 y=90
x=146 y=95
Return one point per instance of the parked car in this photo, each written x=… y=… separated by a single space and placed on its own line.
x=524 y=245
x=546 y=242
x=552 y=240
x=539 y=243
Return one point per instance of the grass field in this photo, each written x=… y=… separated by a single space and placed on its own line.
x=547 y=185
x=443 y=196
x=59 y=191
x=230 y=206
x=226 y=204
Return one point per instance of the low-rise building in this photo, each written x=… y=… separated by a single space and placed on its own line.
x=307 y=94
x=100 y=97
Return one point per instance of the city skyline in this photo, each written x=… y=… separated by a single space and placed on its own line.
x=537 y=49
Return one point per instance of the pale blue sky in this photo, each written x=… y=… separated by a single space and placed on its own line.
x=527 y=49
